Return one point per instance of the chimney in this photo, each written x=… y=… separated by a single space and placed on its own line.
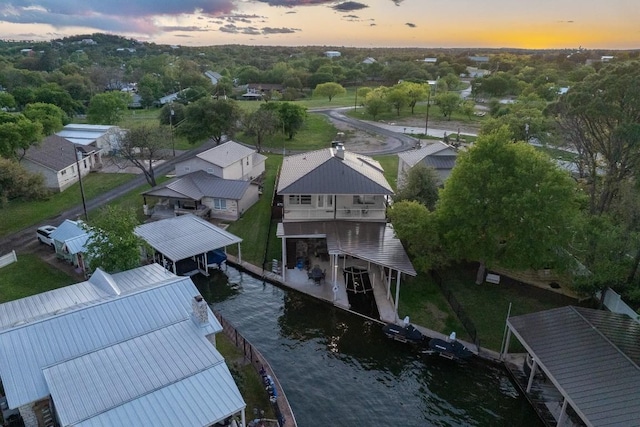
x=200 y=314
x=339 y=151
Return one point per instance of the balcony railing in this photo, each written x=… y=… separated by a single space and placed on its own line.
x=352 y=213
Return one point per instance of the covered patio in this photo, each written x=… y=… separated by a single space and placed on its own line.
x=335 y=246
x=186 y=243
x=590 y=361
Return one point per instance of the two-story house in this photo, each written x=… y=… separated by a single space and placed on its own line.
x=221 y=183
x=333 y=205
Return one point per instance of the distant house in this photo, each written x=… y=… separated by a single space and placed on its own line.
x=429 y=60
x=368 y=60
x=70 y=241
x=475 y=72
x=170 y=98
x=102 y=138
x=479 y=59
x=606 y=58
x=61 y=161
x=437 y=155
x=131 y=348
x=213 y=76
x=229 y=160
x=259 y=90
x=332 y=54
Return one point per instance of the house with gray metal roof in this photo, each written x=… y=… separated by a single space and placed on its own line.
x=186 y=244
x=590 y=358
x=333 y=205
x=60 y=161
x=201 y=194
x=228 y=160
x=437 y=155
x=70 y=243
x=131 y=348
x=101 y=137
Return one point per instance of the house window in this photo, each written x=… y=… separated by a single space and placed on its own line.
x=325 y=200
x=210 y=171
x=364 y=200
x=63 y=172
x=220 y=204
x=300 y=200
x=247 y=161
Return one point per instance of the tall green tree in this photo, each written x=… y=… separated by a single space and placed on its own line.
x=17 y=134
x=398 y=97
x=448 y=102
x=292 y=116
x=141 y=146
x=329 y=90
x=419 y=184
x=506 y=204
x=375 y=103
x=210 y=118
x=17 y=183
x=415 y=92
x=50 y=116
x=108 y=108
x=113 y=247
x=260 y=124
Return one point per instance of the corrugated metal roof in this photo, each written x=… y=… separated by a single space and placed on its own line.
x=413 y=157
x=102 y=380
x=592 y=356
x=199 y=400
x=72 y=235
x=92 y=323
x=226 y=153
x=371 y=241
x=199 y=184
x=322 y=172
x=184 y=236
x=440 y=162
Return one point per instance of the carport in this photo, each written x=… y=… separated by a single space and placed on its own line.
x=185 y=240
x=592 y=357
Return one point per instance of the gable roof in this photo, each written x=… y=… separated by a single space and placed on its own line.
x=413 y=157
x=79 y=319
x=323 y=172
x=591 y=356
x=199 y=184
x=54 y=152
x=184 y=236
x=72 y=236
x=226 y=154
x=84 y=134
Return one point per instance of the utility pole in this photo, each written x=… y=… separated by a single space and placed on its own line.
x=84 y=204
x=171 y=113
x=426 y=123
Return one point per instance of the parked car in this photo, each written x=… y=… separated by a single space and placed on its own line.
x=44 y=234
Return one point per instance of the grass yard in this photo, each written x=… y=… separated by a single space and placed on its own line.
x=29 y=276
x=18 y=215
x=389 y=163
x=487 y=304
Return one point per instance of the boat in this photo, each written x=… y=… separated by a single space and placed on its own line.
x=407 y=333
x=450 y=348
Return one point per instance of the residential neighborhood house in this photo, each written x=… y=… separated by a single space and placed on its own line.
x=437 y=155
x=131 y=348
x=333 y=206
x=70 y=243
x=103 y=138
x=61 y=162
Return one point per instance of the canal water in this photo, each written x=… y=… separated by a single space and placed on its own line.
x=338 y=369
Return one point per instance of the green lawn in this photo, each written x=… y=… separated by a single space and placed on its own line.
x=420 y=111
x=18 y=215
x=29 y=276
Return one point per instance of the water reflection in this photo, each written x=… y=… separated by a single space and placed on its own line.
x=338 y=369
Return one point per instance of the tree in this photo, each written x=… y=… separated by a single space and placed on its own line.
x=415 y=92
x=375 y=103
x=150 y=89
x=210 y=118
x=329 y=90
x=52 y=93
x=468 y=107
x=261 y=123
x=17 y=134
x=599 y=118
x=291 y=116
x=397 y=97
x=50 y=116
x=142 y=145
x=113 y=246
x=171 y=114
x=506 y=204
x=17 y=183
x=420 y=184
x=108 y=108
x=7 y=101
x=448 y=102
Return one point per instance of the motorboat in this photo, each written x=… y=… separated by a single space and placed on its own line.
x=449 y=348
x=406 y=333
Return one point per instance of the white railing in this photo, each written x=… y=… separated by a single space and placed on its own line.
x=614 y=303
x=7 y=259
x=326 y=214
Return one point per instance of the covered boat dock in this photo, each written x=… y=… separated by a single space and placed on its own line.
x=590 y=365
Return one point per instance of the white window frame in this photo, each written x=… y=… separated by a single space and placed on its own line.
x=220 y=204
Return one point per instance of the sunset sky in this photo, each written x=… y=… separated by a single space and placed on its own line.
x=606 y=24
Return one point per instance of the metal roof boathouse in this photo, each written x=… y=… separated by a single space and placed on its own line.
x=592 y=358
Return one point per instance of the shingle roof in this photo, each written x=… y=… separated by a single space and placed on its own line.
x=371 y=241
x=593 y=358
x=226 y=154
x=54 y=152
x=199 y=184
x=323 y=172
x=184 y=236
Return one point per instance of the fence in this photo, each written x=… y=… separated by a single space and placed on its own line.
x=457 y=308
x=614 y=303
x=7 y=259
x=281 y=405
